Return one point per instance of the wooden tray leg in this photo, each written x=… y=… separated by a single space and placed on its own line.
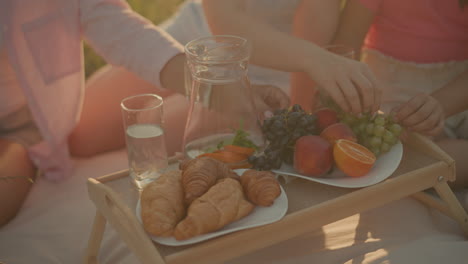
x=447 y=204
x=109 y=204
x=95 y=239
x=456 y=209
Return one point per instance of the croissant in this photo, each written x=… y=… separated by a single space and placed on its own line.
x=200 y=174
x=260 y=187
x=162 y=204
x=222 y=204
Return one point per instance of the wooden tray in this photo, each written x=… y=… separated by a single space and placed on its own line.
x=311 y=205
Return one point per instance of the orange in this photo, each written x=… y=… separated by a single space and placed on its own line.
x=353 y=159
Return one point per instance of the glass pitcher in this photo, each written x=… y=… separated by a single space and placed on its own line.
x=222 y=111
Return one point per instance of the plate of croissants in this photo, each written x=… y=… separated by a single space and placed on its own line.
x=204 y=199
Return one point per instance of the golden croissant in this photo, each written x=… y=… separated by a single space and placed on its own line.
x=162 y=204
x=222 y=204
x=260 y=187
x=200 y=174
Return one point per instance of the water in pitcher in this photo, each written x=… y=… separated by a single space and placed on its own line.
x=221 y=104
x=146 y=152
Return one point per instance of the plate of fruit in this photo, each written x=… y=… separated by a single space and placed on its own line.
x=330 y=147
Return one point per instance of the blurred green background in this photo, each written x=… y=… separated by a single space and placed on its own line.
x=155 y=10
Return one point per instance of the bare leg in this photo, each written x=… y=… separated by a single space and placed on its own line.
x=14 y=163
x=457 y=149
x=100 y=128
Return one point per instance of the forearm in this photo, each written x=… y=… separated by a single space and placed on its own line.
x=315 y=21
x=454 y=96
x=354 y=24
x=271 y=48
x=126 y=39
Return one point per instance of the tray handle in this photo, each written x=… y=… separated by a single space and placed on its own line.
x=111 y=207
x=427 y=146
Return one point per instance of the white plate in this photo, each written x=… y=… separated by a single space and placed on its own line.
x=385 y=165
x=259 y=216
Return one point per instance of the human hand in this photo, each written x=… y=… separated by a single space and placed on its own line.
x=351 y=84
x=422 y=114
x=269 y=97
x=231 y=99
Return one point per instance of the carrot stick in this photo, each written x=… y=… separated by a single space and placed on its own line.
x=240 y=150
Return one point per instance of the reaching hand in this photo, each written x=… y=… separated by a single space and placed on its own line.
x=350 y=83
x=422 y=114
x=268 y=97
x=231 y=99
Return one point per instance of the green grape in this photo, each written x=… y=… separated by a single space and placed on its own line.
x=348 y=119
x=375 y=150
x=379 y=120
x=365 y=116
x=396 y=129
x=361 y=127
x=366 y=142
x=388 y=136
x=375 y=142
x=370 y=129
x=355 y=129
x=385 y=147
x=379 y=130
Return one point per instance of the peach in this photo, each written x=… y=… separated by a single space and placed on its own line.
x=325 y=117
x=338 y=131
x=313 y=156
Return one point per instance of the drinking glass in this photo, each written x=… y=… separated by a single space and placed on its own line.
x=144 y=131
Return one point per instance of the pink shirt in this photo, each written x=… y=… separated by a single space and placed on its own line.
x=421 y=31
x=11 y=95
x=43 y=40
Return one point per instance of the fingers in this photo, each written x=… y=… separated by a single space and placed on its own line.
x=359 y=87
x=426 y=111
x=438 y=128
x=351 y=94
x=408 y=108
x=421 y=114
x=374 y=89
x=337 y=95
x=269 y=97
x=366 y=93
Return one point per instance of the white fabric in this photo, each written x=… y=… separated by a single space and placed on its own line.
x=404 y=80
x=189 y=23
x=55 y=223
x=11 y=95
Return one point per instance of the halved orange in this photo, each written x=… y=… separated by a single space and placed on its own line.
x=352 y=158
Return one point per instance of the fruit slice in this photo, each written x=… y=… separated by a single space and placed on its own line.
x=241 y=150
x=232 y=159
x=353 y=159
